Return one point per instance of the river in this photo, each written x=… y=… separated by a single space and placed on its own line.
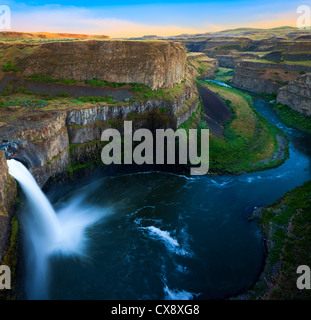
x=167 y=236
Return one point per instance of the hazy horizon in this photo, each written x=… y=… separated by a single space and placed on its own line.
x=125 y=19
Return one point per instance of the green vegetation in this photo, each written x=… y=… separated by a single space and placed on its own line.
x=27 y=103
x=143 y=92
x=69 y=81
x=103 y=83
x=107 y=99
x=9 y=66
x=63 y=95
x=194 y=119
x=7 y=90
x=37 y=77
x=224 y=74
x=306 y=63
x=237 y=47
x=249 y=143
x=202 y=67
x=287 y=226
x=23 y=90
x=293 y=118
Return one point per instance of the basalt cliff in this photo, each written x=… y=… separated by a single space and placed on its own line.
x=266 y=77
x=297 y=95
x=55 y=133
x=157 y=64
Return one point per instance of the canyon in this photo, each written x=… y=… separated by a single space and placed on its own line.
x=59 y=92
x=55 y=140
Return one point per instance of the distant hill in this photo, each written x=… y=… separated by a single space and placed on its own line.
x=46 y=36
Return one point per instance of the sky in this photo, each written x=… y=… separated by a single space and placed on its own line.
x=137 y=18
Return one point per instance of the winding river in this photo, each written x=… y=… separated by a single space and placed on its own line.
x=167 y=236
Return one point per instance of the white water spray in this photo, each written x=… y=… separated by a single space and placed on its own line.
x=47 y=233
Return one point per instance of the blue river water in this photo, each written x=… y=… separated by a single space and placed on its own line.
x=168 y=236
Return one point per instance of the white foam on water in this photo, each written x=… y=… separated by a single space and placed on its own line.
x=220 y=184
x=165 y=237
x=178 y=294
x=175 y=294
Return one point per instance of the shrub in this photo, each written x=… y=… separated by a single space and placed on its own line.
x=9 y=66
x=47 y=96
x=63 y=95
x=7 y=90
x=102 y=83
x=69 y=81
x=107 y=99
x=23 y=90
x=37 y=77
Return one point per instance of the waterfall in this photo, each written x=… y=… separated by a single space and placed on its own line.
x=48 y=233
x=40 y=205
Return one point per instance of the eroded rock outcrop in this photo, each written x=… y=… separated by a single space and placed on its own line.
x=265 y=77
x=297 y=95
x=157 y=64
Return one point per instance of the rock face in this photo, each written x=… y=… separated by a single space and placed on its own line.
x=263 y=77
x=157 y=64
x=56 y=142
x=49 y=142
x=52 y=143
x=297 y=95
x=7 y=200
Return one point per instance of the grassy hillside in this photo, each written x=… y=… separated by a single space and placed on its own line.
x=250 y=143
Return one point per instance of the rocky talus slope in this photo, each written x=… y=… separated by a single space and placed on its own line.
x=157 y=64
x=297 y=95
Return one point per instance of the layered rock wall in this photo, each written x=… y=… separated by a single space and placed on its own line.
x=297 y=95
x=45 y=140
x=263 y=77
x=157 y=64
